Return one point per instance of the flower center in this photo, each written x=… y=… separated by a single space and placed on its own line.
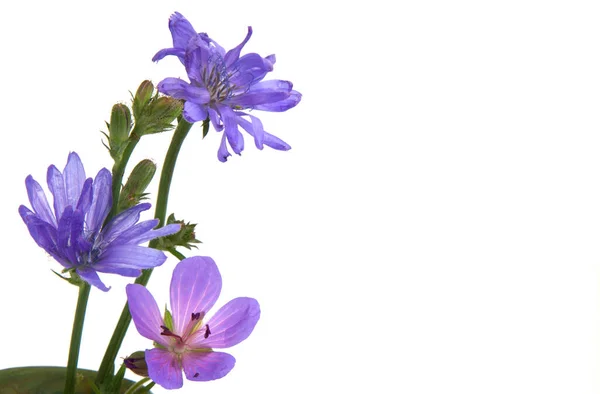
x=194 y=327
x=216 y=79
x=90 y=249
x=179 y=348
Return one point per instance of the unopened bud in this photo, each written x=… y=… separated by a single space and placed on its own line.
x=138 y=181
x=118 y=130
x=142 y=97
x=157 y=116
x=166 y=107
x=120 y=123
x=136 y=363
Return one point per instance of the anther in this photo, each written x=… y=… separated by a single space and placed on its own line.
x=196 y=374
x=207 y=332
x=168 y=333
x=198 y=316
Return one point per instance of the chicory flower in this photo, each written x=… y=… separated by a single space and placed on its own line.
x=73 y=232
x=182 y=339
x=223 y=85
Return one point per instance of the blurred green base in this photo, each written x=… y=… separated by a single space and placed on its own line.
x=47 y=380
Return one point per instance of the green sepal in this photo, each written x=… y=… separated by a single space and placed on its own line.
x=205 y=126
x=185 y=237
x=73 y=279
x=168 y=319
x=139 y=179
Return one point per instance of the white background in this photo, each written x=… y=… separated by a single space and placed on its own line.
x=434 y=228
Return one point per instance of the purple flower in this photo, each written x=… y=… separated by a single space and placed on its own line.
x=223 y=84
x=74 y=233
x=183 y=340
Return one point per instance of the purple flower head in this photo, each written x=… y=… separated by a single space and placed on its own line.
x=73 y=233
x=183 y=339
x=223 y=85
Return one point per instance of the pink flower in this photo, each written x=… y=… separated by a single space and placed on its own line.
x=182 y=339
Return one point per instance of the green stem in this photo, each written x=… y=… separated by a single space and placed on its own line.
x=117 y=175
x=84 y=288
x=175 y=253
x=114 y=386
x=164 y=187
x=136 y=386
x=84 y=293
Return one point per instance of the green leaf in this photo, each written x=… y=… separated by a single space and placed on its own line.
x=48 y=380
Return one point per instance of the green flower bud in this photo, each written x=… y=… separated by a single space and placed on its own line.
x=142 y=98
x=120 y=123
x=157 y=116
x=118 y=130
x=136 y=363
x=138 y=181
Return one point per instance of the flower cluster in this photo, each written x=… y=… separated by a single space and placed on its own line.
x=223 y=85
x=89 y=233
x=74 y=232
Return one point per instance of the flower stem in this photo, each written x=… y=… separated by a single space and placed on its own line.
x=175 y=253
x=136 y=386
x=164 y=187
x=84 y=293
x=117 y=174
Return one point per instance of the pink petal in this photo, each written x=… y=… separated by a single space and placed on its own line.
x=145 y=313
x=204 y=366
x=231 y=324
x=195 y=286
x=164 y=368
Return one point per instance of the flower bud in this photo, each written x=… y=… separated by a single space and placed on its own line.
x=120 y=123
x=118 y=130
x=138 y=181
x=162 y=111
x=157 y=115
x=136 y=363
x=142 y=98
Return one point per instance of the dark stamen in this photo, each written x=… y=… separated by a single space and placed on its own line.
x=207 y=332
x=198 y=316
x=196 y=374
x=168 y=333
